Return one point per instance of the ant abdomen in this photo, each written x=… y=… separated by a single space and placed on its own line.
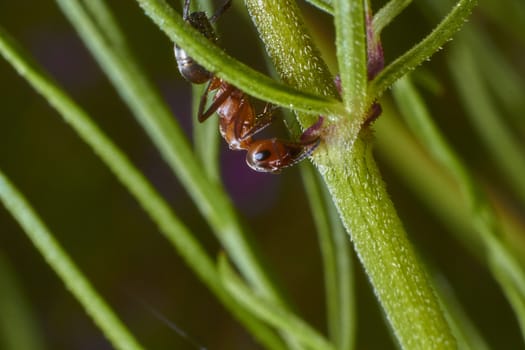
x=189 y=69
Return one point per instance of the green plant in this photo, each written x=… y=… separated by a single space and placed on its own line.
x=344 y=162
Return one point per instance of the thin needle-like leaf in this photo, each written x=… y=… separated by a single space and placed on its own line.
x=423 y=50
x=325 y=5
x=19 y=328
x=270 y=312
x=509 y=15
x=345 y=278
x=349 y=17
x=337 y=262
x=107 y=24
x=233 y=71
x=431 y=182
x=134 y=181
x=468 y=336
x=65 y=268
x=205 y=135
x=387 y=13
x=206 y=139
x=153 y=114
x=500 y=259
x=503 y=79
x=506 y=152
x=514 y=296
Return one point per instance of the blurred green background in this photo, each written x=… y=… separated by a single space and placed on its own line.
x=119 y=248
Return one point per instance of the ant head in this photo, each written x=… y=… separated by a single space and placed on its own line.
x=271 y=156
x=266 y=156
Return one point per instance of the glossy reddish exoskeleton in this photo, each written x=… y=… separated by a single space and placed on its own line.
x=238 y=121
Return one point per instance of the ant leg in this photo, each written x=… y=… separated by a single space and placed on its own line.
x=297 y=151
x=313 y=132
x=203 y=100
x=267 y=112
x=310 y=139
x=306 y=149
x=265 y=118
x=219 y=100
x=337 y=83
x=272 y=155
x=373 y=114
x=238 y=121
x=186 y=9
x=261 y=121
x=220 y=11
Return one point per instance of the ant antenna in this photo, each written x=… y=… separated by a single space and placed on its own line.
x=170 y=324
x=220 y=11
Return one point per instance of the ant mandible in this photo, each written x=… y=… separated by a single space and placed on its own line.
x=238 y=121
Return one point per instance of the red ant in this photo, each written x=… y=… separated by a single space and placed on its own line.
x=238 y=121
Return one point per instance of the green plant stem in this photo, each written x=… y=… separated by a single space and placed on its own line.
x=276 y=19
x=134 y=181
x=60 y=262
x=306 y=67
x=354 y=182
x=381 y=244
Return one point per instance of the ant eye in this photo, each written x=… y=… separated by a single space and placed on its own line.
x=262 y=155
